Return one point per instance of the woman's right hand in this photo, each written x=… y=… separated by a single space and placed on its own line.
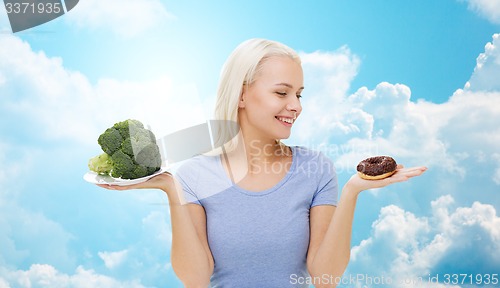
x=402 y=174
x=164 y=181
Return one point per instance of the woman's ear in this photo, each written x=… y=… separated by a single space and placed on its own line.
x=241 y=101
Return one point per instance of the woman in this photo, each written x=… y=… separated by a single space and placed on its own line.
x=259 y=213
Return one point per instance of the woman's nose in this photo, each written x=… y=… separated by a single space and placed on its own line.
x=294 y=105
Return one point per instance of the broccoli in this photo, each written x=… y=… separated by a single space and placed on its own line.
x=110 y=141
x=136 y=142
x=123 y=165
x=130 y=151
x=128 y=127
x=148 y=157
x=101 y=164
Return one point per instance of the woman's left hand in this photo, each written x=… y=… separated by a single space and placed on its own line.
x=402 y=174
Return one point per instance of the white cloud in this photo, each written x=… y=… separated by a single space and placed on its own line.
x=485 y=76
x=57 y=103
x=3 y=283
x=489 y=9
x=124 y=17
x=403 y=246
x=334 y=70
x=44 y=276
x=113 y=259
x=4 y=22
x=327 y=79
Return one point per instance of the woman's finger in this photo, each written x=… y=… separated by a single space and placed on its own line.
x=413 y=170
x=405 y=174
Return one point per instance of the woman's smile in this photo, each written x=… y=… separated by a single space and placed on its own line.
x=287 y=121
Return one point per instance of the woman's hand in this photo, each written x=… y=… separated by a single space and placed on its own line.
x=357 y=184
x=164 y=181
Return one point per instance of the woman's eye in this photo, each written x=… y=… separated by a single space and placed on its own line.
x=299 y=96
x=281 y=93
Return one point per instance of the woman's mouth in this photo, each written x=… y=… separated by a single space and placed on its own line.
x=285 y=120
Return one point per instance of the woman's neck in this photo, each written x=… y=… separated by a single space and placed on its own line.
x=253 y=155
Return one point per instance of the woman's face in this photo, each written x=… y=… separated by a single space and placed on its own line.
x=270 y=105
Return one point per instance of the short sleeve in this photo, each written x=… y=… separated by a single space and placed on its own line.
x=188 y=178
x=327 y=191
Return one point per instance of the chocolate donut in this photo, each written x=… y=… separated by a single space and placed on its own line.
x=375 y=168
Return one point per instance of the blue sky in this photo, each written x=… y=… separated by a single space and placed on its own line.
x=414 y=79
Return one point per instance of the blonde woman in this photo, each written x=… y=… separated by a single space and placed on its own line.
x=260 y=213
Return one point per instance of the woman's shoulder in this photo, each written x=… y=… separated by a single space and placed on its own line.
x=195 y=164
x=313 y=161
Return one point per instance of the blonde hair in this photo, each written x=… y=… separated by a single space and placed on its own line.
x=241 y=68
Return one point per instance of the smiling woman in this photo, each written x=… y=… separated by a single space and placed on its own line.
x=256 y=212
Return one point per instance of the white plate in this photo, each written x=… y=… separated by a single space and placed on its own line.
x=95 y=178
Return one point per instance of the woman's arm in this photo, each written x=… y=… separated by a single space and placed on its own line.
x=331 y=228
x=190 y=256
